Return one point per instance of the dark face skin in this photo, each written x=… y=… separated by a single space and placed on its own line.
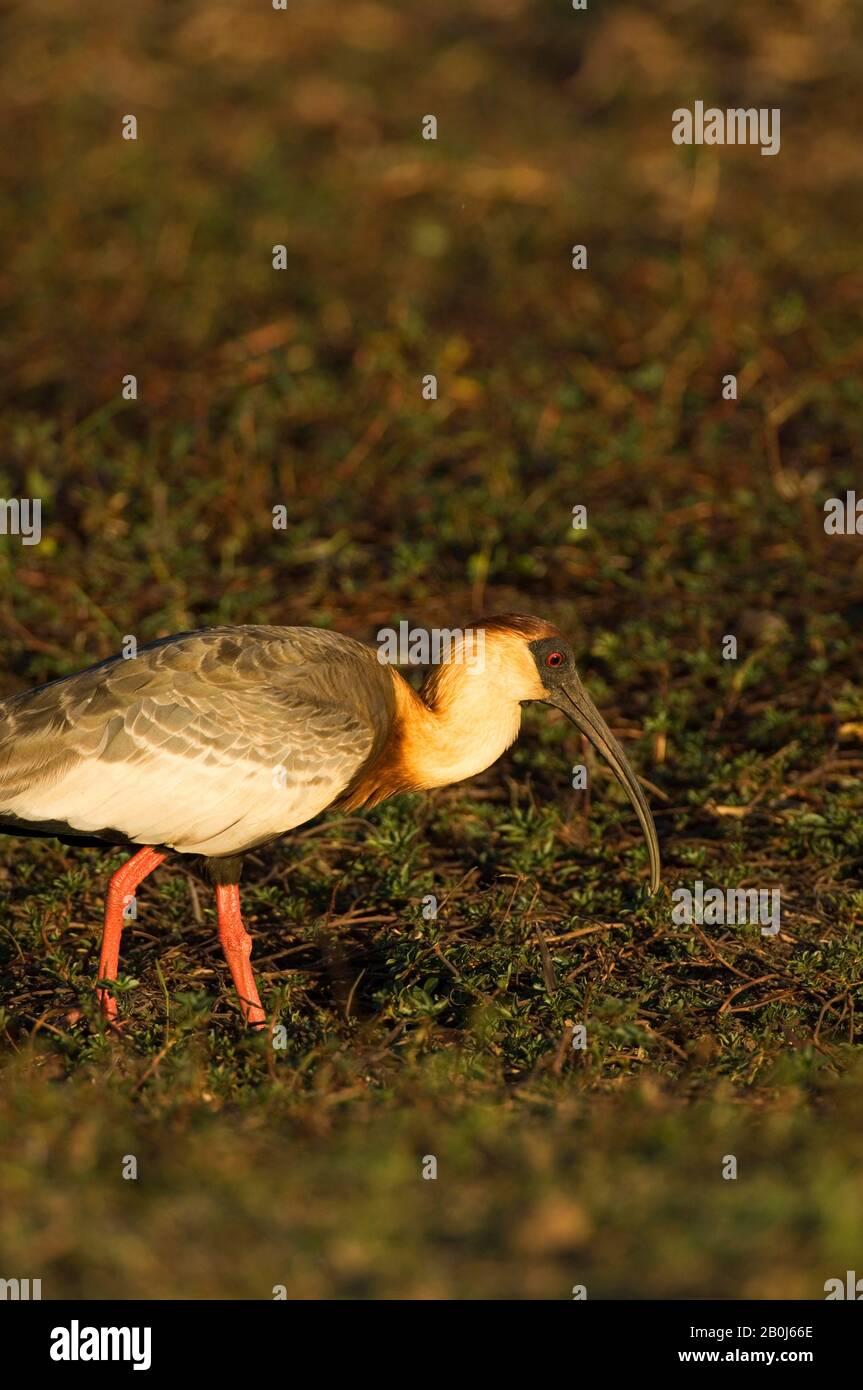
x=556 y=665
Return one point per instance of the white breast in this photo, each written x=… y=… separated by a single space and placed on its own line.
x=189 y=805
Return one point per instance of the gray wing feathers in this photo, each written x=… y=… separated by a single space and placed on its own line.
x=314 y=705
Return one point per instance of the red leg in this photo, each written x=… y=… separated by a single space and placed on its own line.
x=237 y=946
x=122 y=885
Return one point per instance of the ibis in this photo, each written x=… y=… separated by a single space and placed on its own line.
x=216 y=742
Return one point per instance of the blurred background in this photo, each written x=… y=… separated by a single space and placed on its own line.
x=303 y=388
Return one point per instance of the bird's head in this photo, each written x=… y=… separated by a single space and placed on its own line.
x=527 y=660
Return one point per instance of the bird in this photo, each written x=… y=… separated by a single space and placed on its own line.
x=215 y=742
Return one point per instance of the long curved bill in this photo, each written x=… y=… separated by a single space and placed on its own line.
x=577 y=705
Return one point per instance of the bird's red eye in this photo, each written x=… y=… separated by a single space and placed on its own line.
x=555 y=659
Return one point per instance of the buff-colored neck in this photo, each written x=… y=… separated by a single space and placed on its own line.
x=460 y=723
x=455 y=728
